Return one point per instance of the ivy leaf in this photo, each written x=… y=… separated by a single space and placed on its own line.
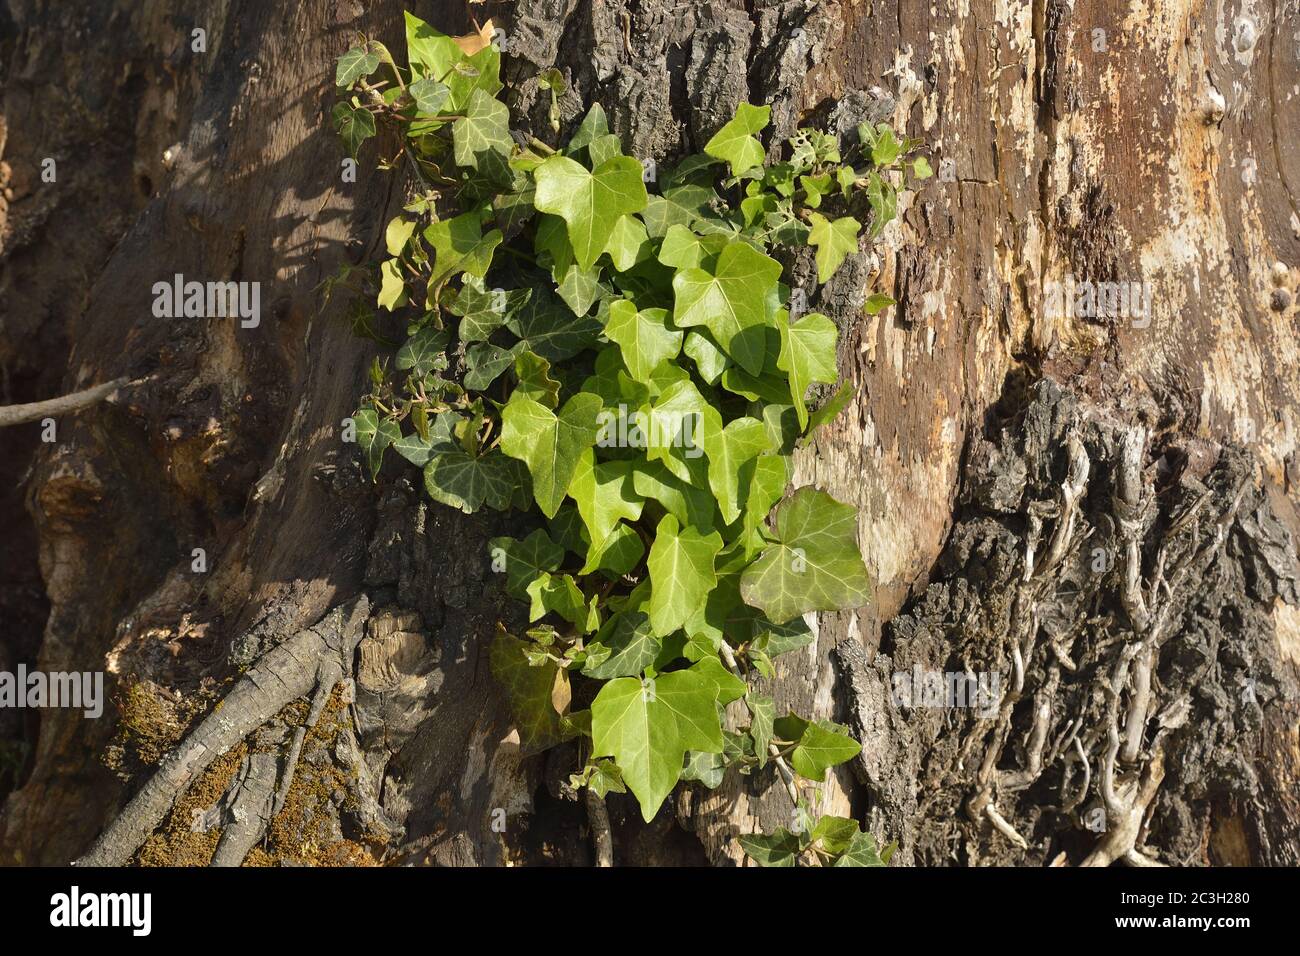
x=392 y=285
x=535 y=382
x=523 y=561
x=861 y=851
x=808 y=355
x=831 y=409
x=777 y=639
x=580 y=288
x=354 y=125
x=456 y=478
x=374 y=435
x=884 y=202
x=818 y=745
x=876 y=303
x=781 y=848
x=762 y=711
x=678 y=206
x=398 y=234
x=681 y=573
x=834 y=833
x=731 y=301
x=485 y=128
x=354 y=64
x=683 y=249
x=628 y=244
x=423 y=352
x=833 y=241
x=485 y=362
x=430 y=53
x=482 y=311
x=763 y=480
x=691 y=506
x=736 y=144
x=648 y=725
x=706 y=768
x=590 y=202
x=430 y=96
x=460 y=245
x=593 y=126
x=726 y=685
x=815 y=564
x=550 y=444
x=643 y=337
x=559 y=594
x=604 y=494
x=742 y=439
x=632 y=644
x=530 y=692
x=551 y=330
x=921 y=168
x=710 y=361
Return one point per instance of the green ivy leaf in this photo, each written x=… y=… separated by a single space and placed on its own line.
x=459 y=244
x=861 y=851
x=681 y=573
x=392 y=285
x=815 y=564
x=523 y=561
x=781 y=848
x=604 y=494
x=353 y=65
x=374 y=435
x=731 y=301
x=741 y=440
x=628 y=244
x=423 y=352
x=808 y=355
x=530 y=692
x=484 y=128
x=559 y=594
x=818 y=745
x=550 y=444
x=643 y=337
x=551 y=330
x=678 y=206
x=762 y=712
x=648 y=726
x=456 y=478
x=833 y=241
x=590 y=202
x=398 y=234
x=736 y=144
x=354 y=125
x=429 y=95
x=831 y=409
x=632 y=645
x=535 y=382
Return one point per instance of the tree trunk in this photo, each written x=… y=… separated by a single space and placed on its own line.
x=1100 y=511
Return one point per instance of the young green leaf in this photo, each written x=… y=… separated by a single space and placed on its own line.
x=833 y=241
x=731 y=301
x=814 y=565
x=808 y=356
x=590 y=203
x=681 y=573
x=736 y=144
x=550 y=444
x=648 y=725
x=644 y=337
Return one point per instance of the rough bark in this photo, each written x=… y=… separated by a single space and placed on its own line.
x=1159 y=154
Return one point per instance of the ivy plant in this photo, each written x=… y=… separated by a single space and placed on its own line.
x=614 y=352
